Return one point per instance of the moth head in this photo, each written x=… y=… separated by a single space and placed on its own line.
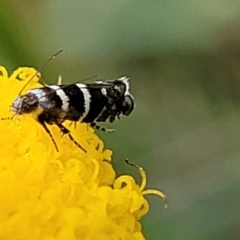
x=123 y=99
x=127 y=105
x=25 y=104
x=121 y=86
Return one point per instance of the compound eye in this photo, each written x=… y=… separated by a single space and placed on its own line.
x=128 y=105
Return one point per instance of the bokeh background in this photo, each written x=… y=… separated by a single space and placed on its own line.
x=183 y=58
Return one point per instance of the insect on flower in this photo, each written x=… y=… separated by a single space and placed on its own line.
x=101 y=101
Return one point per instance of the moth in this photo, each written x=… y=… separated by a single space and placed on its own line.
x=91 y=103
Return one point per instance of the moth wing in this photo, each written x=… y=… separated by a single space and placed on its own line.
x=90 y=85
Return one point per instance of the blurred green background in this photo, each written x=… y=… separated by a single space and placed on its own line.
x=183 y=58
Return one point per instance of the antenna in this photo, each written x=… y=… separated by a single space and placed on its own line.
x=40 y=69
x=89 y=78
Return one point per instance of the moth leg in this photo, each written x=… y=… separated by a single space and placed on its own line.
x=94 y=125
x=64 y=130
x=41 y=120
x=73 y=123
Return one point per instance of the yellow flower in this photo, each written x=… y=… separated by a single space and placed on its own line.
x=65 y=195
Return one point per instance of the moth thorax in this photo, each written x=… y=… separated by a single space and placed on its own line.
x=25 y=104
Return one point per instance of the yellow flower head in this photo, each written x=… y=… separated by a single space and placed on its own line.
x=65 y=195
